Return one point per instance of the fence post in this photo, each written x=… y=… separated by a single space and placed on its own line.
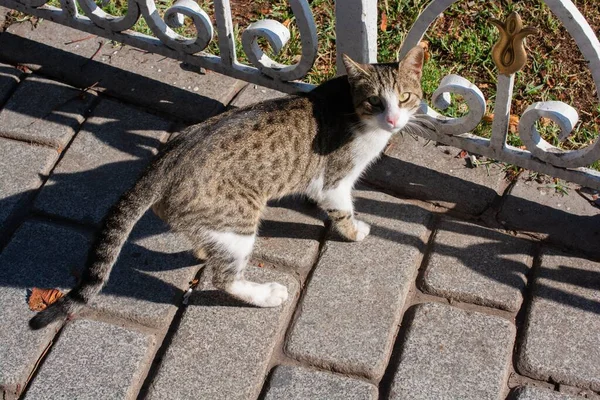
x=356 y=31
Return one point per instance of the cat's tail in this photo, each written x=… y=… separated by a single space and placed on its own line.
x=106 y=249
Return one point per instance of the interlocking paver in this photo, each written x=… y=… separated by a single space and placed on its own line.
x=152 y=272
x=104 y=160
x=9 y=77
x=453 y=354
x=297 y=383
x=562 y=330
x=474 y=264
x=354 y=300
x=433 y=173
x=289 y=234
x=222 y=347
x=253 y=94
x=566 y=220
x=39 y=255
x=147 y=79
x=21 y=167
x=94 y=360
x=50 y=119
x=534 y=393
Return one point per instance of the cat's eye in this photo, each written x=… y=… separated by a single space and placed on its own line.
x=375 y=101
x=403 y=98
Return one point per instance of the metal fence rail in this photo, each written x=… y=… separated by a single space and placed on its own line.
x=356 y=35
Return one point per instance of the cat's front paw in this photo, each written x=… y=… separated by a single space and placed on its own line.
x=362 y=230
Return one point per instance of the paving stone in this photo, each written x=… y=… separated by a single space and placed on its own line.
x=578 y=392
x=52 y=118
x=39 y=255
x=433 y=173
x=474 y=264
x=566 y=220
x=353 y=303
x=289 y=234
x=94 y=360
x=104 y=160
x=562 y=329
x=453 y=354
x=3 y=12
x=148 y=281
x=222 y=347
x=9 y=76
x=534 y=393
x=296 y=383
x=21 y=168
x=253 y=94
x=124 y=72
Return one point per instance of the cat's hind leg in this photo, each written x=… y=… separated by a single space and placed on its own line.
x=228 y=256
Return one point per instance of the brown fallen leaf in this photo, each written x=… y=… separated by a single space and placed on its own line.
x=462 y=154
x=513 y=123
x=261 y=265
x=40 y=299
x=286 y=23
x=383 y=25
x=489 y=117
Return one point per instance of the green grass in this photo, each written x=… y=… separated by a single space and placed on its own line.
x=460 y=42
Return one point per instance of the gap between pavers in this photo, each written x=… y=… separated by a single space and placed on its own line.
x=146 y=79
x=9 y=78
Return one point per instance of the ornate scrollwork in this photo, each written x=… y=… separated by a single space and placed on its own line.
x=277 y=35
x=441 y=99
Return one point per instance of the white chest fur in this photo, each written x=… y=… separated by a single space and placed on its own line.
x=366 y=147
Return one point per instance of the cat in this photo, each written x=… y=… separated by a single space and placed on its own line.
x=212 y=181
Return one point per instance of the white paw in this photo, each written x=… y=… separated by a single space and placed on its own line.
x=270 y=294
x=363 y=230
x=273 y=295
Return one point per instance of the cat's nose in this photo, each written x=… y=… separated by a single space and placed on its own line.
x=392 y=121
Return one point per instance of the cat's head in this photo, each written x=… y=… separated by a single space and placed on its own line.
x=386 y=96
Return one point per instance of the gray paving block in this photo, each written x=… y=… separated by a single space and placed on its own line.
x=353 y=303
x=22 y=166
x=104 y=160
x=3 y=12
x=289 y=235
x=39 y=255
x=566 y=220
x=433 y=173
x=453 y=354
x=124 y=72
x=252 y=94
x=44 y=111
x=296 y=383
x=94 y=360
x=562 y=329
x=534 y=393
x=9 y=76
x=474 y=264
x=148 y=281
x=222 y=347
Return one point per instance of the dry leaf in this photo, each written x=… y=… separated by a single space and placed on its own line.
x=545 y=121
x=40 y=299
x=261 y=265
x=489 y=117
x=462 y=154
x=513 y=123
x=286 y=23
x=383 y=25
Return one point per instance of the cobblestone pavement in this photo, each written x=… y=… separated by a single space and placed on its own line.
x=469 y=286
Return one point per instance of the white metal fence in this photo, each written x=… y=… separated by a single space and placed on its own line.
x=356 y=36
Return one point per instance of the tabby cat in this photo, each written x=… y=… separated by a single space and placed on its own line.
x=213 y=180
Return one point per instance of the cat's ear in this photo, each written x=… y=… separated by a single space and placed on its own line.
x=413 y=61
x=353 y=69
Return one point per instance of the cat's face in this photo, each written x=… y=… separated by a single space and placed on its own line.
x=386 y=96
